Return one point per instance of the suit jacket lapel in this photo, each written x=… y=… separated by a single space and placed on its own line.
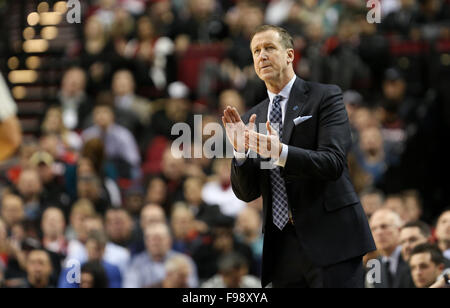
x=295 y=105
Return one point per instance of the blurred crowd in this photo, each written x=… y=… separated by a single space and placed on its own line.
x=98 y=199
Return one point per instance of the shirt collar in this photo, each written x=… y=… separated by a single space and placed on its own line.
x=285 y=92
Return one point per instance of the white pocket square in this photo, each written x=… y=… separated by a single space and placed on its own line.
x=301 y=119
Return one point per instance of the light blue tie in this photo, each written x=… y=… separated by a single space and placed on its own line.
x=280 y=212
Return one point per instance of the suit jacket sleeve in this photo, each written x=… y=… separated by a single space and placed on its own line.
x=327 y=162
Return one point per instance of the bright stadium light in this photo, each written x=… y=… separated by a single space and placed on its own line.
x=29 y=33
x=22 y=76
x=50 y=18
x=35 y=46
x=33 y=62
x=33 y=19
x=49 y=33
x=13 y=63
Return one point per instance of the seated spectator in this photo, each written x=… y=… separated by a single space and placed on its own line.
x=73 y=101
x=395 y=202
x=185 y=235
x=116 y=138
x=39 y=269
x=53 y=225
x=81 y=210
x=443 y=233
x=119 y=227
x=413 y=204
x=413 y=234
x=233 y=273
x=89 y=187
x=53 y=124
x=151 y=214
x=29 y=187
x=147 y=268
x=426 y=263
x=221 y=240
x=371 y=200
x=12 y=210
x=125 y=99
x=95 y=248
x=248 y=229
x=220 y=192
x=113 y=254
x=52 y=179
x=205 y=214
x=93 y=276
x=157 y=192
x=178 y=270
x=385 y=225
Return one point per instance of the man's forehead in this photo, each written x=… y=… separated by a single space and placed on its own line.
x=268 y=36
x=423 y=257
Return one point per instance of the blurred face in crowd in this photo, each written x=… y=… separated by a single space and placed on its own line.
x=396 y=204
x=181 y=222
x=94 y=250
x=53 y=223
x=29 y=184
x=178 y=270
x=231 y=98
x=423 y=270
x=73 y=82
x=3 y=233
x=118 y=225
x=232 y=277
x=248 y=223
x=371 y=203
x=157 y=191
x=371 y=141
x=413 y=207
x=45 y=171
x=385 y=225
x=158 y=241
x=50 y=144
x=272 y=61
x=145 y=28
x=103 y=116
x=123 y=83
x=201 y=8
x=253 y=17
x=81 y=211
x=152 y=214
x=12 y=209
x=172 y=168
x=53 y=121
x=193 y=191
x=222 y=169
x=362 y=119
x=394 y=89
x=443 y=231
x=39 y=268
x=87 y=280
x=89 y=188
x=409 y=238
x=177 y=109
x=93 y=29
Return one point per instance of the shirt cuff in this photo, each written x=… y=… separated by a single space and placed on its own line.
x=240 y=157
x=281 y=161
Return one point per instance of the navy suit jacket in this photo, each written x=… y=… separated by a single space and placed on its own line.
x=329 y=219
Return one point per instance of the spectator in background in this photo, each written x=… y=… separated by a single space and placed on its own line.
x=205 y=214
x=372 y=200
x=413 y=234
x=12 y=210
x=93 y=276
x=443 y=233
x=10 y=129
x=178 y=270
x=116 y=138
x=74 y=104
x=126 y=101
x=219 y=191
x=182 y=223
x=413 y=204
x=113 y=253
x=396 y=203
x=81 y=209
x=385 y=225
x=95 y=247
x=53 y=123
x=89 y=187
x=233 y=273
x=157 y=192
x=248 y=230
x=39 y=270
x=426 y=263
x=53 y=192
x=147 y=268
x=119 y=226
x=29 y=186
x=53 y=226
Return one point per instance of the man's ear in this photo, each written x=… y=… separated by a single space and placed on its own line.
x=290 y=54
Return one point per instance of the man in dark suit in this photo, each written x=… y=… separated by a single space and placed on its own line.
x=315 y=230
